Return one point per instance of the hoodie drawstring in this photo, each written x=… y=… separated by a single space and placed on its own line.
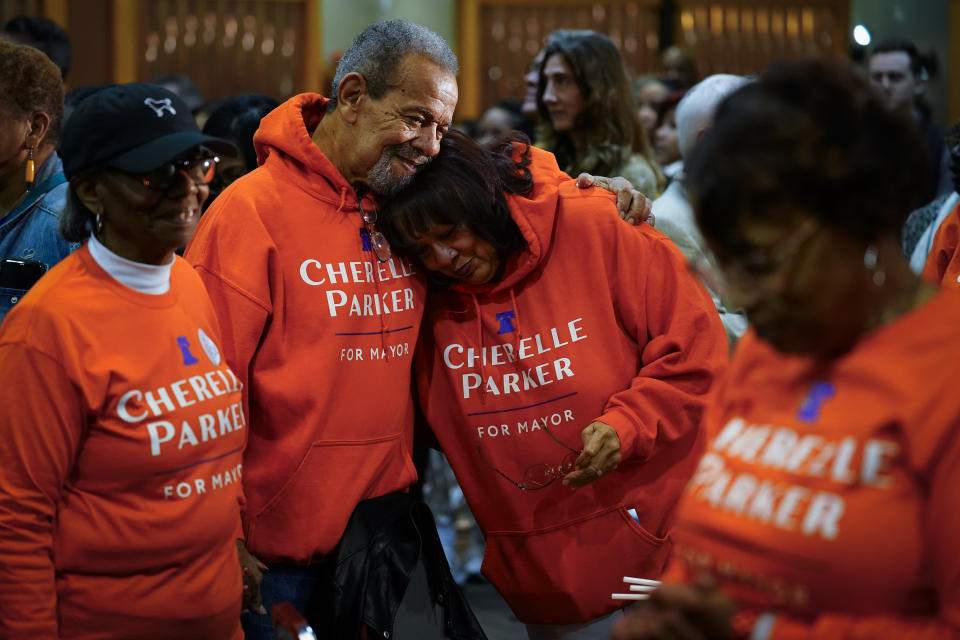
x=483 y=353
x=516 y=326
x=343 y=198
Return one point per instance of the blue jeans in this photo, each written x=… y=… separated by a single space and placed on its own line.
x=282 y=583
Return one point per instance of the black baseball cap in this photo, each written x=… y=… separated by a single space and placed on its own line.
x=135 y=127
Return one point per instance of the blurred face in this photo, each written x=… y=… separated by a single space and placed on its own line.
x=803 y=287
x=13 y=147
x=649 y=97
x=147 y=224
x=399 y=133
x=665 y=139
x=457 y=253
x=532 y=81
x=890 y=74
x=494 y=125
x=561 y=95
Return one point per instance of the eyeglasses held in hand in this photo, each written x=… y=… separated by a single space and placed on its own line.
x=378 y=242
x=199 y=170
x=540 y=475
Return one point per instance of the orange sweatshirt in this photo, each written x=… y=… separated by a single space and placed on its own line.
x=321 y=334
x=830 y=497
x=943 y=261
x=594 y=320
x=121 y=430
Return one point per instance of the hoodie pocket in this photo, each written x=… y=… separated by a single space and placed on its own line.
x=565 y=574
x=306 y=517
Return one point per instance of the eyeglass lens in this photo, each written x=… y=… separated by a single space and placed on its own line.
x=540 y=475
x=378 y=241
x=199 y=170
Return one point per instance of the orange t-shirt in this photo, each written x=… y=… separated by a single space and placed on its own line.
x=943 y=261
x=122 y=432
x=832 y=496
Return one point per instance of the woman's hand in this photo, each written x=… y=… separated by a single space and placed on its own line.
x=601 y=454
x=633 y=206
x=252 y=569
x=679 y=612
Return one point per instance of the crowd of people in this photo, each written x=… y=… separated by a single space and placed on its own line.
x=694 y=333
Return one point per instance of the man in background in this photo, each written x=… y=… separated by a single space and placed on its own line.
x=897 y=72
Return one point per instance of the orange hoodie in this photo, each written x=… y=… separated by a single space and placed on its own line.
x=320 y=333
x=121 y=430
x=595 y=320
x=831 y=496
x=943 y=261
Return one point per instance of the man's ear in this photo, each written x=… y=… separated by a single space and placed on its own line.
x=39 y=125
x=351 y=93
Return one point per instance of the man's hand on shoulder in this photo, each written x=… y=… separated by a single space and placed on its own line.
x=633 y=206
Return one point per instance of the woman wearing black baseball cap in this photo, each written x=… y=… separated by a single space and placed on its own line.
x=122 y=425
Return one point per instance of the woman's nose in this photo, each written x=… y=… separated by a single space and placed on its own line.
x=441 y=257
x=548 y=94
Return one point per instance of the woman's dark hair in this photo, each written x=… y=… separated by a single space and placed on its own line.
x=29 y=81
x=76 y=221
x=809 y=136
x=463 y=185
x=237 y=118
x=608 y=120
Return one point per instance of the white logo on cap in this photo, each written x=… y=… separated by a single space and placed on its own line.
x=159 y=106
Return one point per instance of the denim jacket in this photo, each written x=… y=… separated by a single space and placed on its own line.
x=32 y=233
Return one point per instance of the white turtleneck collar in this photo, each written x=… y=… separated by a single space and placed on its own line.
x=145 y=278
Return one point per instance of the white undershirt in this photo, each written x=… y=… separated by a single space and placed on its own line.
x=145 y=278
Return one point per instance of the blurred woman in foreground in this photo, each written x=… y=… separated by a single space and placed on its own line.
x=826 y=505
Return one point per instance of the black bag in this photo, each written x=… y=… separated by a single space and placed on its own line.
x=367 y=576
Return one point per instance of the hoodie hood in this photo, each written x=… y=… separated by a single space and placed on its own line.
x=285 y=135
x=536 y=216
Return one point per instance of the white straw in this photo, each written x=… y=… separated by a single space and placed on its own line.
x=629 y=596
x=644 y=581
x=642 y=588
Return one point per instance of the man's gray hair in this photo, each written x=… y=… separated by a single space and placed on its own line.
x=695 y=111
x=378 y=50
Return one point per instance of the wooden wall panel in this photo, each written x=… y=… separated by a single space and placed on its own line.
x=13 y=8
x=744 y=37
x=228 y=46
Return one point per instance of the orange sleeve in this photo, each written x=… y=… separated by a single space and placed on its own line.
x=41 y=427
x=683 y=346
x=943 y=256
